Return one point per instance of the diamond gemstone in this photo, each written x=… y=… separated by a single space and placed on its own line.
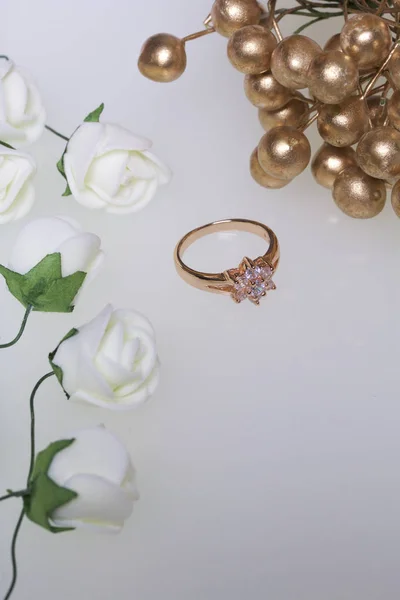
x=252 y=281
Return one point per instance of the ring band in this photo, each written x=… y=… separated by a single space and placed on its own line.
x=252 y=279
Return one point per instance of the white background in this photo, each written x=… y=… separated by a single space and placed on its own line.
x=269 y=457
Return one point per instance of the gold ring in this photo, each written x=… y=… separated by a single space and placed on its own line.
x=252 y=279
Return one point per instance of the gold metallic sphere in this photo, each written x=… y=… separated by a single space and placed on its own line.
x=261 y=177
x=377 y=111
x=332 y=76
x=333 y=43
x=378 y=153
x=396 y=198
x=284 y=152
x=230 y=15
x=343 y=124
x=393 y=109
x=162 y=58
x=367 y=39
x=357 y=194
x=250 y=49
x=329 y=161
x=264 y=91
x=291 y=114
x=291 y=60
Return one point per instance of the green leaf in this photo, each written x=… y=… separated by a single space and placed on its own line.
x=94 y=116
x=14 y=283
x=67 y=191
x=60 y=165
x=57 y=370
x=45 y=495
x=43 y=287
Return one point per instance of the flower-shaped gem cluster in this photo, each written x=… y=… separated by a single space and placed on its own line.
x=251 y=280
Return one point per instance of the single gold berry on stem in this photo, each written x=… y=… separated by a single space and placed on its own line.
x=343 y=124
x=284 y=152
x=261 y=177
x=367 y=39
x=359 y=195
x=329 y=161
x=378 y=153
x=227 y=16
x=291 y=60
x=396 y=198
x=162 y=58
x=332 y=76
x=291 y=114
x=250 y=49
x=264 y=91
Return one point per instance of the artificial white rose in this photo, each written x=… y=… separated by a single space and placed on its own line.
x=22 y=115
x=50 y=262
x=80 y=251
x=111 y=362
x=17 y=194
x=97 y=467
x=110 y=168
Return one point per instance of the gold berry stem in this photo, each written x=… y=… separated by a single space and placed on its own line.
x=310 y=121
x=272 y=23
x=208 y=21
x=198 y=34
x=380 y=70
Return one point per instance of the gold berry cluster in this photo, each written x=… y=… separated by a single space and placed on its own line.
x=353 y=85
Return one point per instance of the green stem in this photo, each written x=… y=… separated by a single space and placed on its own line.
x=14 y=555
x=7 y=145
x=31 y=464
x=32 y=411
x=4 y=56
x=21 y=331
x=19 y=494
x=60 y=135
x=320 y=18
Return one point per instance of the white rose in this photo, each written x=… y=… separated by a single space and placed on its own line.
x=80 y=251
x=111 y=362
x=109 y=167
x=97 y=467
x=17 y=194
x=22 y=116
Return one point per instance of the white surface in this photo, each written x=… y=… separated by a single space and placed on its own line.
x=268 y=459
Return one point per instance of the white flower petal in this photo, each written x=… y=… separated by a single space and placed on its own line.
x=21 y=206
x=15 y=96
x=91 y=334
x=116 y=375
x=118 y=138
x=96 y=451
x=75 y=357
x=140 y=395
x=16 y=170
x=164 y=172
x=79 y=253
x=141 y=167
x=140 y=201
x=81 y=150
x=112 y=344
x=106 y=173
x=129 y=352
x=38 y=239
x=99 y=502
x=132 y=320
